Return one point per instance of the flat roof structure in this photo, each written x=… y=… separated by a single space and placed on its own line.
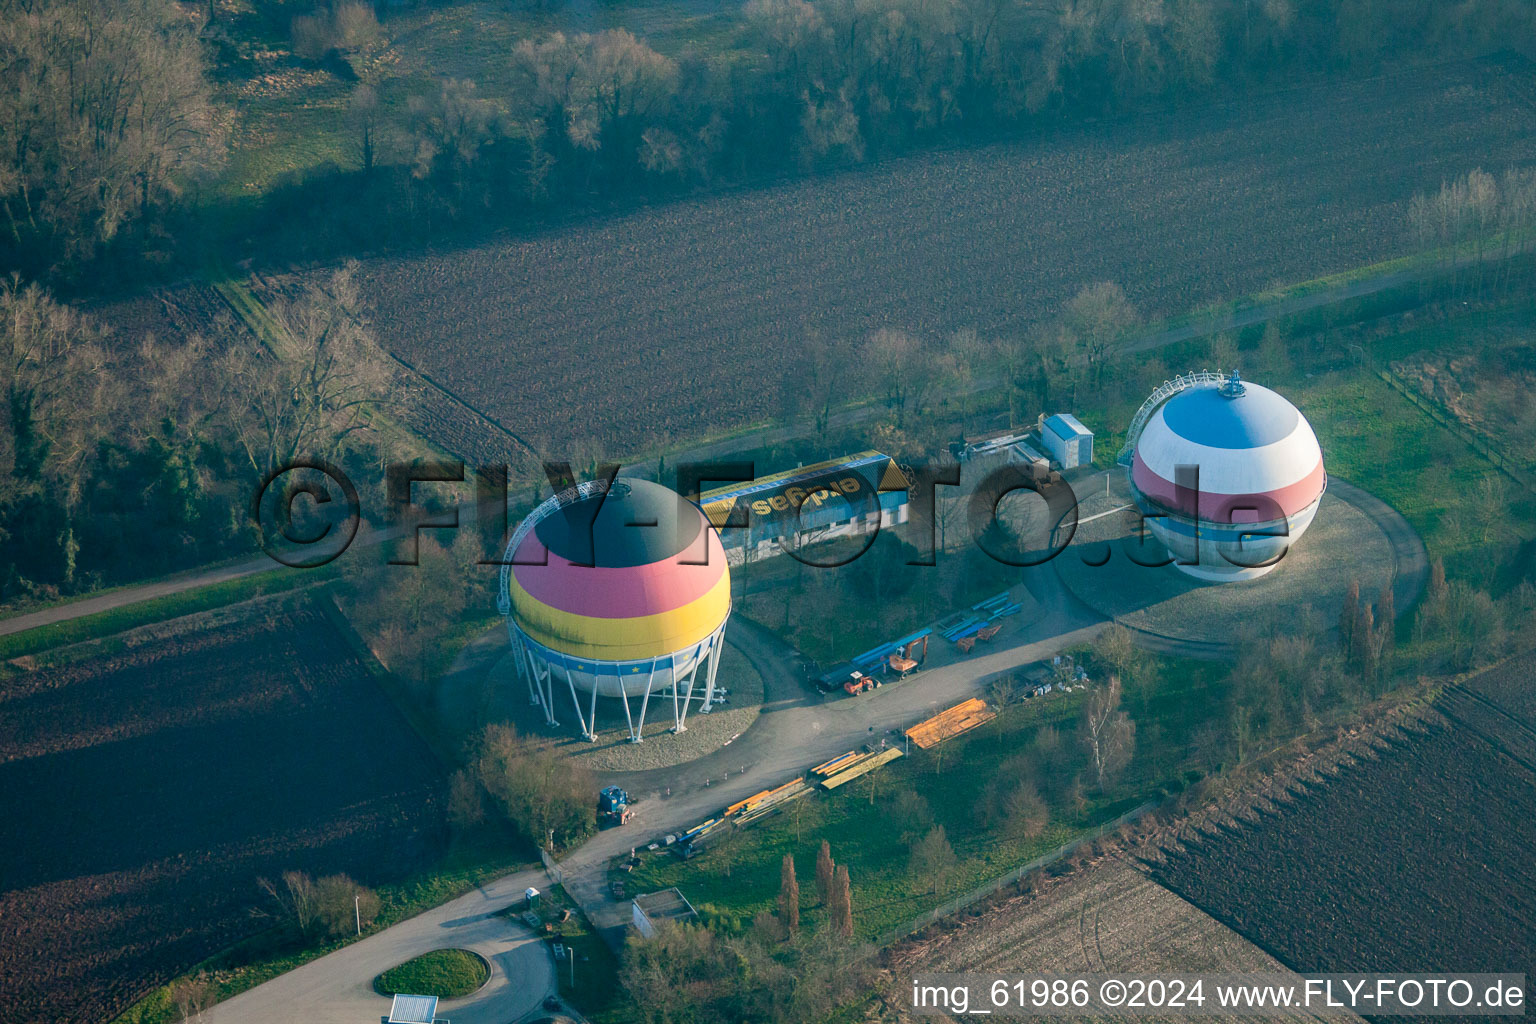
x=852 y=485
x=413 y=1010
x=655 y=908
x=1066 y=426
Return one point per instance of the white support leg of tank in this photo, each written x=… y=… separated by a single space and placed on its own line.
x=570 y=681
x=592 y=712
x=714 y=665
x=693 y=677
x=629 y=721
x=542 y=684
x=679 y=714
x=525 y=669
x=645 y=702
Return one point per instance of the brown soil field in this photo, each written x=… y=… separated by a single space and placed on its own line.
x=148 y=790
x=1413 y=856
x=682 y=318
x=1108 y=918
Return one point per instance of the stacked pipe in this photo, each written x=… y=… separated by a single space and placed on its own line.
x=963 y=717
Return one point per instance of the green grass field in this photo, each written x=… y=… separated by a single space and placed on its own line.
x=589 y=978
x=732 y=882
x=117 y=620
x=445 y=973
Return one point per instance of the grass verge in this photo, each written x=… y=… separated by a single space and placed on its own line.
x=588 y=976
x=142 y=613
x=445 y=973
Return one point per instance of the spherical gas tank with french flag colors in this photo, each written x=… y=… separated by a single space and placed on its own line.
x=1229 y=475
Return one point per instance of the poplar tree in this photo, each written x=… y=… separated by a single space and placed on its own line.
x=824 y=870
x=842 y=903
x=789 y=896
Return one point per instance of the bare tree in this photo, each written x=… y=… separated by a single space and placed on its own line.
x=1099 y=317
x=191 y=996
x=343 y=907
x=317 y=384
x=1349 y=615
x=292 y=901
x=338 y=25
x=909 y=814
x=932 y=859
x=1107 y=732
x=363 y=117
x=451 y=127
x=895 y=362
x=1024 y=813
x=54 y=379
x=466 y=801
x=536 y=790
x=105 y=110
x=604 y=89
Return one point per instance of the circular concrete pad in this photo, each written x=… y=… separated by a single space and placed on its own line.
x=1343 y=544
x=662 y=748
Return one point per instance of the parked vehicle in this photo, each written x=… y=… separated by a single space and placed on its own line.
x=613 y=807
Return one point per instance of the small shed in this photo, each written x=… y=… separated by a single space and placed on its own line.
x=413 y=1010
x=653 y=909
x=1069 y=442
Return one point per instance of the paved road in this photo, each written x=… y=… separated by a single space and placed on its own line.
x=795 y=730
x=337 y=989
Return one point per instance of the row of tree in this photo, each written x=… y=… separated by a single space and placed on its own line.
x=844 y=80
x=122 y=456
x=833 y=891
x=318 y=909
x=106 y=115
x=1474 y=224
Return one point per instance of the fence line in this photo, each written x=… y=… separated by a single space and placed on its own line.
x=556 y=875
x=1485 y=447
x=959 y=903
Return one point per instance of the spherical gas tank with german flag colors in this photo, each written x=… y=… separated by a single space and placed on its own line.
x=620 y=588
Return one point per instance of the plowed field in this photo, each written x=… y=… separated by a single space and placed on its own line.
x=1416 y=858
x=683 y=318
x=145 y=792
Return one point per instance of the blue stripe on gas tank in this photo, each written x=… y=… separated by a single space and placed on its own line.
x=1254 y=419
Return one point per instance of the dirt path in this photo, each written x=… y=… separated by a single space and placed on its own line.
x=1258 y=314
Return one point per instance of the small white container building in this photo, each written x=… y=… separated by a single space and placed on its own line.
x=1069 y=442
